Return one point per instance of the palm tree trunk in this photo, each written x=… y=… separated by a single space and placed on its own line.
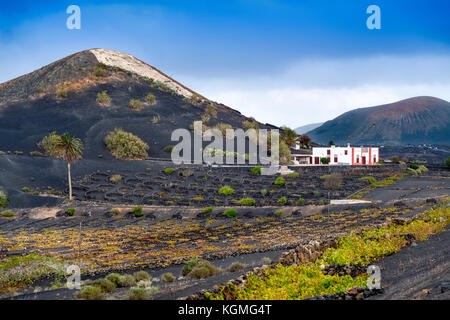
x=70 y=181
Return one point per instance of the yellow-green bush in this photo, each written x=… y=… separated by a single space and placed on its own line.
x=3 y=199
x=136 y=105
x=49 y=144
x=125 y=145
x=103 y=98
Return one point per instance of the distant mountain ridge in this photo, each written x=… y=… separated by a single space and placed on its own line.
x=307 y=127
x=418 y=120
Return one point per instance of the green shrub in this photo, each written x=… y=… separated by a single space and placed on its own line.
x=114 y=277
x=250 y=124
x=156 y=119
x=226 y=190
x=61 y=93
x=168 y=149
x=205 y=118
x=395 y=159
x=187 y=172
x=168 y=277
x=203 y=269
x=282 y=200
x=137 y=294
x=105 y=284
x=211 y=111
x=136 y=105
x=103 y=98
x=116 y=178
x=195 y=99
x=230 y=213
x=91 y=293
x=447 y=161
x=255 y=170
x=99 y=71
x=26 y=189
x=422 y=169
x=125 y=145
x=150 y=98
x=263 y=192
x=189 y=266
x=279 y=212
x=7 y=214
x=126 y=281
x=324 y=160
x=142 y=275
x=70 y=211
x=49 y=144
x=137 y=211
x=207 y=210
x=316 y=193
x=247 y=201
x=153 y=290
x=115 y=212
x=368 y=179
x=223 y=127
x=279 y=181
x=413 y=166
x=3 y=199
x=235 y=266
x=293 y=175
x=300 y=202
x=169 y=170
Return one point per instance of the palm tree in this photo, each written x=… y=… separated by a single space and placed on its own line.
x=70 y=149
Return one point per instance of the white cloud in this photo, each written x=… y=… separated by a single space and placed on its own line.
x=319 y=90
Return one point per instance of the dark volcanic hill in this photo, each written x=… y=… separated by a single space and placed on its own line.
x=418 y=120
x=62 y=97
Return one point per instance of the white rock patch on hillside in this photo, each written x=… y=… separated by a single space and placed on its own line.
x=128 y=62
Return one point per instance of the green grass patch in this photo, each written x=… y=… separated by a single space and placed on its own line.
x=255 y=170
x=207 y=210
x=230 y=213
x=7 y=214
x=247 y=201
x=169 y=170
x=3 y=199
x=70 y=211
x=279 y=181
x=226 y=190
x=137 y=211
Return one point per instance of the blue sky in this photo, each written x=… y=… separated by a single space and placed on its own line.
x=283 y=62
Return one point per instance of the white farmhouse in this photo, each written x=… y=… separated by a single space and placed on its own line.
x=337 y=155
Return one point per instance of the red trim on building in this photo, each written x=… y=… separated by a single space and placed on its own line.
x=353 y=156
x=370 y=155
